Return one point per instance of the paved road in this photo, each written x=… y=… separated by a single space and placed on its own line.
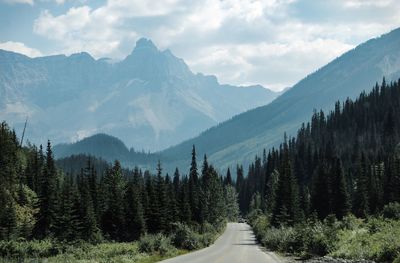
x=237 y=244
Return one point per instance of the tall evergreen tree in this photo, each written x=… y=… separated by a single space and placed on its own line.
x=47 y=197
x=135 y=225
x=339 y=196
x=113 y=216
x=194 y=187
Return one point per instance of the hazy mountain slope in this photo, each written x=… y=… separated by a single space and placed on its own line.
x=103 y=145
x=150 y=100
x=239 y=139
x=108 y=148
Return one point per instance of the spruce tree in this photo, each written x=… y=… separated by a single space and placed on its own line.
x=228 y=178
x=47 y=197
x=161 y=211
x=186 y=213
x=339 y=196
x=320 y=199
x=135 y=225
x=361 y=205
x=194 y=187
x=231 y=203
x=114 y=189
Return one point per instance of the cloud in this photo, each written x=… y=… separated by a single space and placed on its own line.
x=271 y=42
x=29 y=2
x=367 y=3
x=20 y=48
x=279 y=63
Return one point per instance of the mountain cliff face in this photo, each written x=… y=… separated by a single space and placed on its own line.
x=150 y=100
x=239 y=139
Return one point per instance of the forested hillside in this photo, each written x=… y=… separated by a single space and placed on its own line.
x=347 y=160
x=40 y=202
x=343 y=163
x=245 y=135
x=108 y=148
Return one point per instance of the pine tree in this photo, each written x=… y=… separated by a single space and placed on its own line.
x=161 y=211
x=361 y=206
x=186 y=213
x=8 y=181
x=320 y=199
x=231 y=203
x=135 y=225
x=152 y=206
x=89 y=230
x=47 y=197
x=287 y=209
x=228 y=178
x=271 y=191
x=7 y=215
x=172 y=209
x=194 y=187
x=67 y=224
x=212 y=198
x=114 y=189
x=239 y=178
x=339 y=197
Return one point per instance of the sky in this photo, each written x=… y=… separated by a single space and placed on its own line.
x=274 y=43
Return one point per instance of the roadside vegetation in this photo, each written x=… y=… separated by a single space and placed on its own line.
x=149 y=248
x=374 y=238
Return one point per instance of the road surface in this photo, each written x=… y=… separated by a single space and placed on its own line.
x=237 y=244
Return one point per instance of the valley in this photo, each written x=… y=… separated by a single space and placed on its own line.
x=110 y=153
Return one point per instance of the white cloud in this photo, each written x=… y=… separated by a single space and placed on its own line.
x=29 y=2
x=99 y=31
x=367 y=3
x=20 y=48
x=279 y=63
x=241 y=41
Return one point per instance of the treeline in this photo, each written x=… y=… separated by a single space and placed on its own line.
x=345 y=162
x=38 y=201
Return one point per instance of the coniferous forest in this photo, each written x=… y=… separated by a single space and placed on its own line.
x=40 y=202
x=318 y=192
x=347 y=161
x=341 y=173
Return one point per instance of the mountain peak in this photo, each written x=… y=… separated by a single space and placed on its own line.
x=81 y=55
x=145 y=43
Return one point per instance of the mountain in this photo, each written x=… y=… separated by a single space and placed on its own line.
x=97 y=145
x=150 y=100
x=239 y=139
x=109 y=148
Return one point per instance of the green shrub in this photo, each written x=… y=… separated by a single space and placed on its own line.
x=207 y=239
x=377 y=240
x=208 y=228
x=253 y=215
x=147 y=244
x=281 y=239
x=155 y=243
x=392 y=211
x=185 y=238
x=23 y=249
x=397 y=259
x=260 y=226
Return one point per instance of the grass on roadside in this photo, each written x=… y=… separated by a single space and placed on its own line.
x=374 y=238
x=150 y=248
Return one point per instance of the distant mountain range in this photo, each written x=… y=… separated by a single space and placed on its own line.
x=151 y=100
x=239 y=139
